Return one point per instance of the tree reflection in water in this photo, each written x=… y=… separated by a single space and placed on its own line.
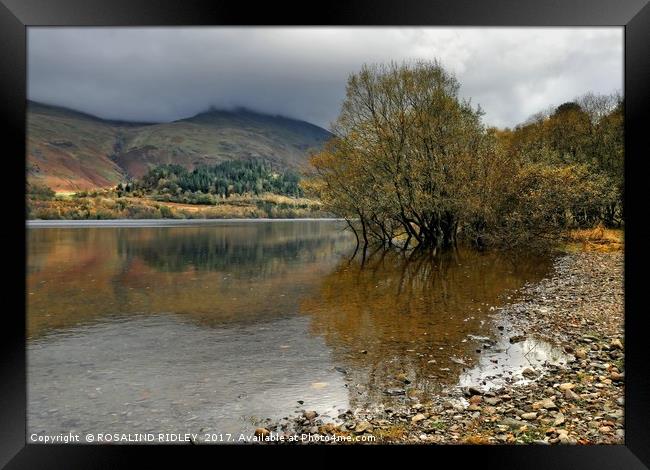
x=393 y=319
x=412 y=314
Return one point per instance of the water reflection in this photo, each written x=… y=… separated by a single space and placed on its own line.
x=259 y=250
x=162 y=374
x=411 y=324
x=218 y=323
x=504 y=362
x=213 y=274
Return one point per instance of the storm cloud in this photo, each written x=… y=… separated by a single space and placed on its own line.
x=163 y=74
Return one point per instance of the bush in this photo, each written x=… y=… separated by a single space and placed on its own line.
x=40 y=192
x=166 y=212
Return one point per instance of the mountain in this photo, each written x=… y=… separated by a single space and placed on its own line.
x=69 y=150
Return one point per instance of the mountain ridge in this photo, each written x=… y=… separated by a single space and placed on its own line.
x=70 y=150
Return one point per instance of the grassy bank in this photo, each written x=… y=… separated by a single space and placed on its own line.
x=599 y=239
x=106 y=204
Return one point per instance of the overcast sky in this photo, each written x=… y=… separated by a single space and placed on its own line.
x=163 y=74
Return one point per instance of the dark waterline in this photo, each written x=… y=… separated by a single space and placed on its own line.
x=212 y=325
x=37 y=223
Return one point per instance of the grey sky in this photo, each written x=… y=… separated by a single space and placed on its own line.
x=162 y=74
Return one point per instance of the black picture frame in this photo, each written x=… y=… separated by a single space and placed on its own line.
x=633 y=15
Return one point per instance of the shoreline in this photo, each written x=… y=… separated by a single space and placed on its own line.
x=45 y=223
x=577 y=308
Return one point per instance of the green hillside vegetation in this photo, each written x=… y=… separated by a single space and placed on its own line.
x=211 y=184
x=232 y=189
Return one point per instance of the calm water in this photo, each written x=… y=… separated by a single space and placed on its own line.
x=212 y=326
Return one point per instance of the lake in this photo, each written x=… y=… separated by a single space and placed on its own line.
x=178 y=327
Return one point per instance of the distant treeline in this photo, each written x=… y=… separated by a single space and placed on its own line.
x=232 y=189
x=234 y=177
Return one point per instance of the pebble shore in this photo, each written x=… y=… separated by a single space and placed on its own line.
x=578 y=308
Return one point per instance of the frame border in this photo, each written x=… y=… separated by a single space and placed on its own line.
x=634 y=15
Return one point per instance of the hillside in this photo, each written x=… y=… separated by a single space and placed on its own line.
x=69 y=151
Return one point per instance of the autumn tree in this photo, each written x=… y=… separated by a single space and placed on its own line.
x=587 y=131
x=403 y=154
x=411 y=164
